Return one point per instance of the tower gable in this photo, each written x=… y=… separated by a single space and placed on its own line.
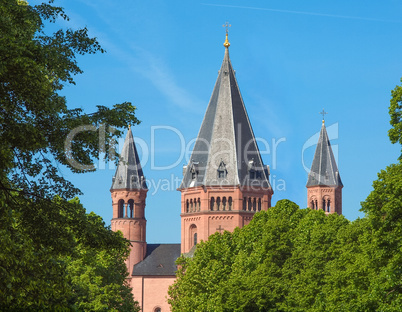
x=324 y=170
x=129 y=174
x=225 y=136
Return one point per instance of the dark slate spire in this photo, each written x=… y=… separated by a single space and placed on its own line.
x=129 y=173
x=323 y=169
x=225 y=152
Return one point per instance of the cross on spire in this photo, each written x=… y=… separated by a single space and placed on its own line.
x=323 y=113
x=227 y=25
x=220 y=229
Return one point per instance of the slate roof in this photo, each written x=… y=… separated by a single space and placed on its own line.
x=129 y=173
x=323 y=169
x=159 y=260
x=226 y=140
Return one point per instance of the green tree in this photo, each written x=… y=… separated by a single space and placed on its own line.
x=395 y=112
x=87 y=274
x=279 y=262
x=383 y=208
x=44 y=237
x=97 y=270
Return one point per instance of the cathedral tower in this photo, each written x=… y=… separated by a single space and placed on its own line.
x=225 y=181
x=324 y=185
x=129 y=192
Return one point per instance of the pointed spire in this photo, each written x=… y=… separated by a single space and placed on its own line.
x=324 y=170
x=226 y=139
x=129 y=173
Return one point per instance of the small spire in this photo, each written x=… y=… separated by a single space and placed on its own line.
x=129 y=126
x=226 y=44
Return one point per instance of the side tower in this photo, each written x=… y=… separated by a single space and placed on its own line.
x=324 y=185
x=129 y=192
x=225 y=182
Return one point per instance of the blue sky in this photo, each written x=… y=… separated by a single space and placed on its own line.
x=292 y=59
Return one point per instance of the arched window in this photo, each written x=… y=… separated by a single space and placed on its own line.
x=244 y=203
x=249 y=204
x=199 y=204
x=218 y=203
x=212 y=204
x=323 y=204
x=259 y=204
x=193 y=235
x=230 y=203
x=224 y=203
x=131 y=208
x=187 y=205
x=312 y=205
x=157 y=309
x=254 y=204
x=191 y=205
x=328 y=205
x=120 y=211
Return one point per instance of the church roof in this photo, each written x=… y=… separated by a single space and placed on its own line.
x=225 y=150
x=129 y=173
x=159 y=260
x=323 y=169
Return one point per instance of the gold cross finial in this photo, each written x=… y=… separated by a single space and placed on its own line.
x=226 y=44
x=227 y=25
x=323 y=113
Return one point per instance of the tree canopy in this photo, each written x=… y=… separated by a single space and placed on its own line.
x=291 y=259
x=281 y=261
x=395 y=112
x=54 y=256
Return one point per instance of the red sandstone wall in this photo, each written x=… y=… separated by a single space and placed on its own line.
x=151 y=292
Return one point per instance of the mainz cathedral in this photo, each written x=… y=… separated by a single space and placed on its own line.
x=224 y=184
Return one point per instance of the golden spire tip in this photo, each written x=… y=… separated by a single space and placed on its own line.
x=226 y=44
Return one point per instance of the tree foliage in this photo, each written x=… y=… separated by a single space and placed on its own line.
x=86 y=273
x=54 y=256
x=395 y=112
x=383 y=208
x=290 y=259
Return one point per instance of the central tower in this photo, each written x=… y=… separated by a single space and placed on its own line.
x=225 y=182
